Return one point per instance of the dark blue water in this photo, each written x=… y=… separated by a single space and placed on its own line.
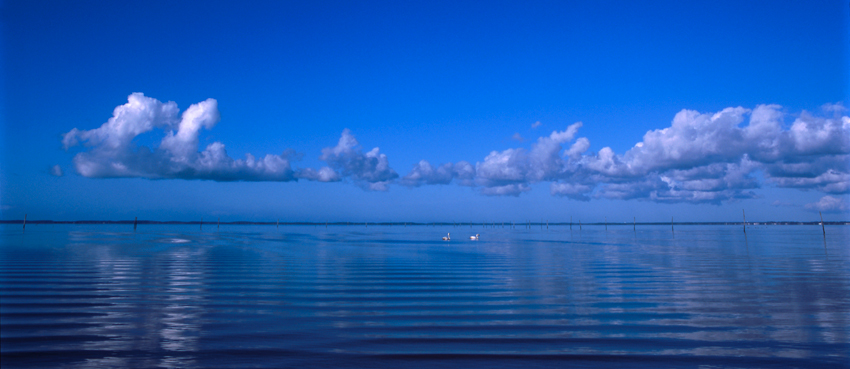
x=99 y=296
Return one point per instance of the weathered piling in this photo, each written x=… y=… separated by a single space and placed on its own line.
x=606 y=223
x=579 y=224
x=135 y=223
x=25 y=222
x=744 y=213
x=671 y=225
x=634 y=224
x=822 y=227
x=202 y=224
x=218 y=223
x=571 y=222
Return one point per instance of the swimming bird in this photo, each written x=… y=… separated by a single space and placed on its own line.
x=448 y=237
x=474 y=238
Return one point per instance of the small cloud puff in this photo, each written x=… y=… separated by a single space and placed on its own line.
x=517 y=137
x=56 y=170
x=829 y=204
x=424 y=173
x=325 y=174
x=536 y=124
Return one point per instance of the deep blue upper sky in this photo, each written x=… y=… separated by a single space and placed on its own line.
x=439 y=81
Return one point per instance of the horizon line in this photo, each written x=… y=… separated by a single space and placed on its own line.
x=384 y=223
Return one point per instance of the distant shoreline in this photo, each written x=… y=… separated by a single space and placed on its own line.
x=485 y=224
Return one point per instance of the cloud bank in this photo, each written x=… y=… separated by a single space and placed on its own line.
x=110 y=150
x=700 y=158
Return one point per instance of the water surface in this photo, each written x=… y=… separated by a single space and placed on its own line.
x=174 y=296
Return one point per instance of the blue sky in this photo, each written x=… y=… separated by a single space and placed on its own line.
x=446 y=82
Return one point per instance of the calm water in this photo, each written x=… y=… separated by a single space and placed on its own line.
x=96 y=296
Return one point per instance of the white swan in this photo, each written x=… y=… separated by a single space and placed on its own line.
x=474 y=238
x=448 y=237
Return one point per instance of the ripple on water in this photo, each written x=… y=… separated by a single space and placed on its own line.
x=396 y=298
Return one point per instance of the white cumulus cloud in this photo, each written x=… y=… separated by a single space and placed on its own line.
x=829 y=204
x=109 y=151
x=699 y=158
x=370 y=169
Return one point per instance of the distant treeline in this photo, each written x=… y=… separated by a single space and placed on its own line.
x=485 y=224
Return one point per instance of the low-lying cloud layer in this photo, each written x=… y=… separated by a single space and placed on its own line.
x=700 y=158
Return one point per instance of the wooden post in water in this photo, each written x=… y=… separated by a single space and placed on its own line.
x=571 y=222
x=745 y=220
x=606 y=223
x=135 y=223
x=579 y=224
x=547 y=223
x=634 y=224
x=671 y=225
x=821 y=224
x=25 y=222
x=202 y=223
x=218 y=223
x=277 y=224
